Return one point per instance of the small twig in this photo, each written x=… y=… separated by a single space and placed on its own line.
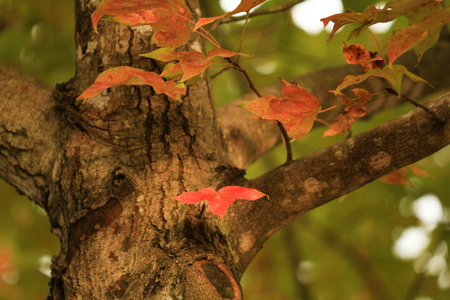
x=220 y=72
x=242 y=37
x=416 y=104
x=247 y=77
x=289 y=158
x=261 y=12
x=322 y=121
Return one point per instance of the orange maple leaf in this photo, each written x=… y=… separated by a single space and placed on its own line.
x=219 y=202
x=356 y=54
x=167 y=17
x=297 y=110
x=132 y=76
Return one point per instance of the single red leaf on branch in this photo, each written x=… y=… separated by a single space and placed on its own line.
x=132 y=76
x=297 y=110
x=219 y=202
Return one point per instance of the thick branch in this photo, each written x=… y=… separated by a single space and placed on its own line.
x=246 y=138
x=335 y=171
x=30 y=134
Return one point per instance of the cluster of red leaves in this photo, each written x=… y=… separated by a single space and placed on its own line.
x=426 y=17
x=190 y=64
x=401 y=176
x=372 y=66
x=219 y=202
x=296 y=110
x=352 y=112
x=168 y=18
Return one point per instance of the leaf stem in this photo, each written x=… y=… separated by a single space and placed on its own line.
x=220 y=72
x=242 y=37
x=330 y=108
x=322 y=121
x=379 y=48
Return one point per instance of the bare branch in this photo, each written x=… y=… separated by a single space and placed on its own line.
x=260 y=12
x=325 y=175
x=31 y=132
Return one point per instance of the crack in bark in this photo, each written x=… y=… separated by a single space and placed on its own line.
x=165 y=136
x=130 y=45
x=149 y=120
x=186 y=129
x=163 y=235
x=180 y=175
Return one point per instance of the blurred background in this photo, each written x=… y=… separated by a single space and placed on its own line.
x=379 y=242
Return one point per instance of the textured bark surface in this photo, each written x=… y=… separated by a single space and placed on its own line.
x=105 y=172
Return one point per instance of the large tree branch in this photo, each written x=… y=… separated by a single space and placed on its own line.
x=31 y=133
x=320 y=177
x=246 y=137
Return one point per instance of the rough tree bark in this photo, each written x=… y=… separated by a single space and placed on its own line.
x=105 y=172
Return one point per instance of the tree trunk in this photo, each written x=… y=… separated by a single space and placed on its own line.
x=105 y=171
x=126 y=155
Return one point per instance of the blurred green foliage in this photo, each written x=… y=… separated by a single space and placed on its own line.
x=327 y=253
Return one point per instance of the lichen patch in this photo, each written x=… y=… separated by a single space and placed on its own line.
x=246 y=242
x=312 y=185
x=196 y=46
x=380 y=161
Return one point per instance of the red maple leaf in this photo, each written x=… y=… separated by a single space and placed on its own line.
x=132 y=76
x=297 y=110
x=219 y=202
x=356 y=54
x=420 y=36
